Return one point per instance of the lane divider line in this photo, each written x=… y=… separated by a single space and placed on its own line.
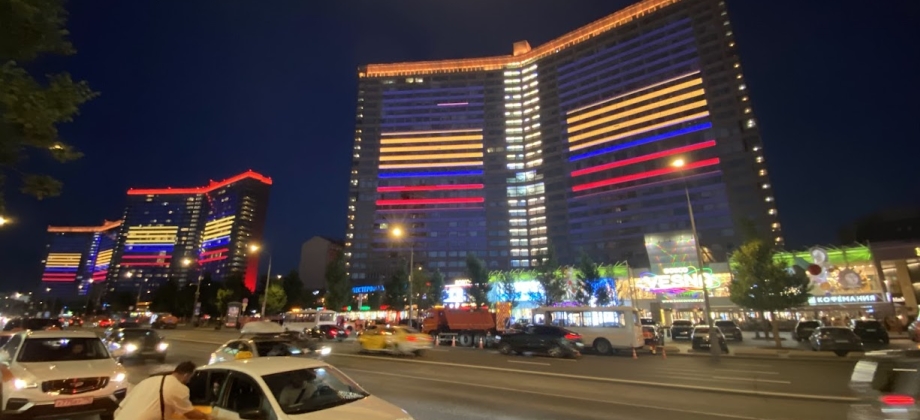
x=529 y=363
x=546 y=394
x=829 y=398
x=770 y=381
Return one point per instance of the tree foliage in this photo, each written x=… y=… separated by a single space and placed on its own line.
x=479 y=280
x=232 y=290
x=30 y=110
x=764 y=284
x=293 y=289
x=506 y=290
x=436 y=288
x=397 y=289
x=338 y=285
x=588 y=276
x=550 y=279
x=276 y=299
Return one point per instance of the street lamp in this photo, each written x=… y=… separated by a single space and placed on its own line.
x=398 y=233
x=714 y=346
x=268 y=277
x=195 y=309
x=4 y=220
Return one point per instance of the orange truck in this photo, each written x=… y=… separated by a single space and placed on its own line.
x=468 y=327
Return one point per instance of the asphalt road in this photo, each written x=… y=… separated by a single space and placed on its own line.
x=459 y=383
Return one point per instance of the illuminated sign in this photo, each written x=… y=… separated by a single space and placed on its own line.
x=843 y=299
x=366 y=289
x=677 y=279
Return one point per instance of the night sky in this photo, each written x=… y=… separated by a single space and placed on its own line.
x=199 y=90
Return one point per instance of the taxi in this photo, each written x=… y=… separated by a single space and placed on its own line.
x=395 y=340
x=284 y=388
x=263 y=338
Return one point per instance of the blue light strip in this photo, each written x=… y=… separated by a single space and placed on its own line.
x=428 y=174
x=669 y=134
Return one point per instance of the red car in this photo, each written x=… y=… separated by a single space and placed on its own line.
x=104 y=323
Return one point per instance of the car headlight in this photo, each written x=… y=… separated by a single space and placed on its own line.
x=325 y=351
x=21 y=384
x=162 y=346
x=212 y=360
x=130 y=348
x=119 y=377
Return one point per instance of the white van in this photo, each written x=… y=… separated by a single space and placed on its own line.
x=605 y=329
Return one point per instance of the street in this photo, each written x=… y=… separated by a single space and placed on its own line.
x=462 y=383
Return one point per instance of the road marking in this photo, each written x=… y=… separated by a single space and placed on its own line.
x=759 y=372
x=833 y=398
x=529 y=363
x=771 y=381
x=546 y=394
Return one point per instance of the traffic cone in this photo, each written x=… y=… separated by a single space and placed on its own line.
x=481 y=342
x=634 y=353
x=664 y=353
x=453 y=342
x=437 y=340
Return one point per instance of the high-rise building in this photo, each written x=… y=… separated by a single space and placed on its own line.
x=180 y=233
x=571 y=144
x=78 y=258
x=315 y=255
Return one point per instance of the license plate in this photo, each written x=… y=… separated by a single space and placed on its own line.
x=683 y=333
x=71 y=402
x=870 y=330
x=843 y=341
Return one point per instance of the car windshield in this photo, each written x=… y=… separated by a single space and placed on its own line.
x=308 y=390
x=703 y=330
x=729 y=324
x=867 y=324
x=277 y=348
x=647 y=321
x=409 y=330
x=836 y=332
x=136 y=334
x=682 y=323
x=810 y=324
x=59 y=349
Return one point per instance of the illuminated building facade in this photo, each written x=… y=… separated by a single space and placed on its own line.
x=179 y=233
x=570 y=144
x=78 y=258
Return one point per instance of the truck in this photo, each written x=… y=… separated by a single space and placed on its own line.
x=468 y=327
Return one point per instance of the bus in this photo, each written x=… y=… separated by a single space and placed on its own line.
x=606 y=329
x=307 y=319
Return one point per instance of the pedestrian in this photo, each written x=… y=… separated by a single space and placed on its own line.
x=161 y=397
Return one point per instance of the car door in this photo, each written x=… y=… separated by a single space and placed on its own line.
x=204 y=388
x=242 y=397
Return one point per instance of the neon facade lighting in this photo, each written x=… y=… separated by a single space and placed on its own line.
x=640 y=109
x=415 y=133
x=475 y=146
x=454 y=104
x=202 y=190
x=647 y=140
x=636 y=121
x=638 y=99
x=638 y=131
x=448 y=187
x=429 y=174
x=623 y=95
x=431 y=165
x=402 y=140
x=645 y=158
x=644 y=175
x=107 y=225
x=424 y=201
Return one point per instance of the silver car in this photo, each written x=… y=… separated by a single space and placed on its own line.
x=888 y=385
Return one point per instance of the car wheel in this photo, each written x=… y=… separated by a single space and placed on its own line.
x=505 y=348
x=841 y=353
x=602 y=346
x=554 y=352
x=107 y=416
x=886 y=340
x=419 y=353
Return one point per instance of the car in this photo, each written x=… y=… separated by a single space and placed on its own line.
x=730 y=329
x=164 y=321
x=326 y=332
x=265 y=345
x=395 y=340
x=6 y=336
x=700 y=338
x=136 y=344
x=681 y=329
x=103 y=323
x=20 y=324
x=840 y=340
x=870 y=331
x=804 y=329
x=51 y=374
x=284 y=388
x=543 y=339
x=885 y=383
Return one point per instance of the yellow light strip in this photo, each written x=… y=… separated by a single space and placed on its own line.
x=429 y=148
x=637 y=121
x=623 y=95
x=412 y=133
x=430 y=165
x=430 y=139
x=431 y=157
x=219 y=224
x=638 y=131
x=637 y=99
x=658 y=104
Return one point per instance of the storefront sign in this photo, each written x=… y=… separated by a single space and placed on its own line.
x=366 y=289
x=843 y=299
x=676 y=279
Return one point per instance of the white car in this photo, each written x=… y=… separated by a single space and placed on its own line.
x=262 y=345
x=47 y=374
x=284 y=388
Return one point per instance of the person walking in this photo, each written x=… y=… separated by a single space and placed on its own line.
x=161 y=397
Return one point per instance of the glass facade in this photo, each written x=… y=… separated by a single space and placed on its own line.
x=569 y=144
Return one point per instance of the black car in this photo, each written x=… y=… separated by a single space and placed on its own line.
x=804 y=329
x=700 y=339
x=886 y=384
x=137 y=344
x=870 y=331
x=681 y=329
x=840 y=340
x=34 y=324
x=327 y=332
x=543 y=339
x=730 y=329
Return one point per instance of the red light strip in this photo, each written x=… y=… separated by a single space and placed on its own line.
x=222 y=257
x=201 y=190
x=215 y=251
x=422 y=201
x=56 y=280
x=144 y=264
x=432 y=188
x=643 y=158
x=146 y=257
x=59 y=275
x=643 y=175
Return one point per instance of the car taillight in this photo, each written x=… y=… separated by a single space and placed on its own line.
x=411 y=338
x=897 y=399
x=572 y=336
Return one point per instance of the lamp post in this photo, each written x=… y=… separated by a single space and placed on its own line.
x=398 y=233
x=715 y=348
x=4 y=221
x=195 y=310
x=268 y=277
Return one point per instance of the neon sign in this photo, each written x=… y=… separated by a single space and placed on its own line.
x=677 y=280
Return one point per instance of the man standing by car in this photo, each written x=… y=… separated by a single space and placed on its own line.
x=161 y=397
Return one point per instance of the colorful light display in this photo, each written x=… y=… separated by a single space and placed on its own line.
x=432 y=188
x=62 y=267
x=425 y=201
x=644 y=175
x=644 y=158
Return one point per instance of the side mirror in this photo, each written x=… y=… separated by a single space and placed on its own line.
x=244 y=355
x=251 y=414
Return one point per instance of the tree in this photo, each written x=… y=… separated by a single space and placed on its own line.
x=603 y=294
x=30 y=110
x=479 y=280
x=764 y=284
x=233 y=290
x=293 y=289
x=588 y=276
x=550 y=280
x=436 y=288
x=224 y=297
x=338 y=285
x=276 y=299
x=506 y=289
x=396 y=290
